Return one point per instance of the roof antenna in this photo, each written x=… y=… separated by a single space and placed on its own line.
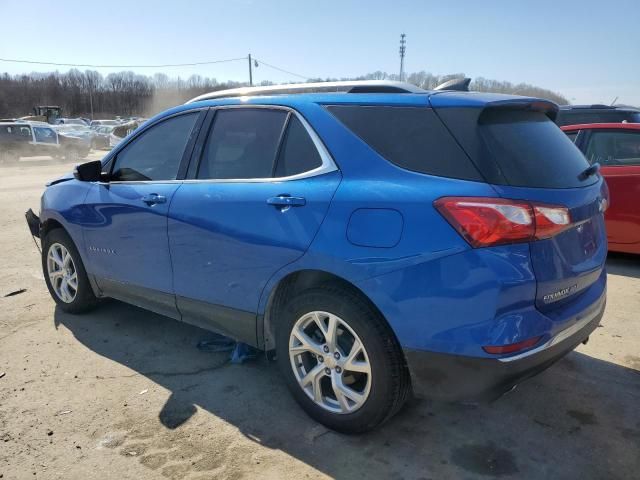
x=614 y=101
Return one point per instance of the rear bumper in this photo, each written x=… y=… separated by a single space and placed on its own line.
x=464 y=378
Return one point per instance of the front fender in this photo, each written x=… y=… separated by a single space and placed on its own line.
x=64 y=203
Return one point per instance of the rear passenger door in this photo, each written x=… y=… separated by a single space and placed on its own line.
x=260 y=185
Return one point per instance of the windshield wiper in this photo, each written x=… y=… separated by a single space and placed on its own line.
x=588 y=172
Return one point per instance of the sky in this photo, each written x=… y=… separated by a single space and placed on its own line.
x=589 y=51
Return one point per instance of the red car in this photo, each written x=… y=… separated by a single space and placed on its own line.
x=616 y=146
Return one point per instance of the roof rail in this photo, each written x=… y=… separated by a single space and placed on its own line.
x=360 y=86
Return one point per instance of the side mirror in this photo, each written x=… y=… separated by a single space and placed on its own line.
x=89 y=171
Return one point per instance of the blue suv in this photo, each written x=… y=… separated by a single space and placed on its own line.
x=377 y=238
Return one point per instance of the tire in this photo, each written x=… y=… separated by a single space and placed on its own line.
x=72 y=155
x=81 y=297
x=8 y=157
x=389 y=382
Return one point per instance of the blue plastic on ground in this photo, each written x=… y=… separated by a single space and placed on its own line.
x=240 y=352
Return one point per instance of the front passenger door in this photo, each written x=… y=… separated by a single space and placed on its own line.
x=126 y=242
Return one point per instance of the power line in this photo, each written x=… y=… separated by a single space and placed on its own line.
x=33 y=62
x=281 y=69
x=167 y=65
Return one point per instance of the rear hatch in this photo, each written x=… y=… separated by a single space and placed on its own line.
x=520 y=151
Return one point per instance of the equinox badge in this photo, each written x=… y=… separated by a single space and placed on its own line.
x=552 y=297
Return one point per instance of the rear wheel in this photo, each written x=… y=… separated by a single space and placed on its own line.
x=341 y=360
x=64 y=273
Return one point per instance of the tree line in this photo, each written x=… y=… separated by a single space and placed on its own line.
x=131 y=94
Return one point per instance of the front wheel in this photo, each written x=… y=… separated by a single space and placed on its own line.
x=341 y=360
x=72 y=155
x=64 y=273
x=8 y=157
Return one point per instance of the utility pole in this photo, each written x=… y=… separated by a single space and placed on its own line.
x=91 y=98
x=403 y=48
x=250 y=72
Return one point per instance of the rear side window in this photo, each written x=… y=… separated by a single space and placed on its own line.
x=242 y=144
x=531 y=151
x=614 y=148
x=413 y=138
x=298 y=154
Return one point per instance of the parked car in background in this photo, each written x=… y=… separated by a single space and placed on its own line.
x=76 y=130
x=20 y=139
x=101 y=136
x=581 y=114
x=96 y=123
x=380 y=240
x=616 y=147
x=70 y=121
x=122 y=130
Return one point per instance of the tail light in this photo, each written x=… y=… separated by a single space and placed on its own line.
x=485 y=221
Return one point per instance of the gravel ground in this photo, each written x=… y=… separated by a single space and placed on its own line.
x=122 y=393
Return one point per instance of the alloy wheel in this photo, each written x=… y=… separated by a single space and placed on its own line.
x=62 y=272
x=330 y=362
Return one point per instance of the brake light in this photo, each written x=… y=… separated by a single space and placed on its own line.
x=485 y=221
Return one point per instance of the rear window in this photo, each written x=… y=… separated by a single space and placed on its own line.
x=531 y=151
x=413 y=138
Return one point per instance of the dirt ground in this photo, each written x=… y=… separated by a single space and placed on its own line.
x=122 y=393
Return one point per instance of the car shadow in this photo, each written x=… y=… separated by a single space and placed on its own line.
x=577 y=420
x=625 y=264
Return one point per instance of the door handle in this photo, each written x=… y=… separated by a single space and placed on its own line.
x=284 y=202
x=153 y=199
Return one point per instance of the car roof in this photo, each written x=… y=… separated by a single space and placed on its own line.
x=595 y=126
x=598 y=107
x=367 y=95
x=436 y=98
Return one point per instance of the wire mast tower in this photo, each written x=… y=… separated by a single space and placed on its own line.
x=403 y=48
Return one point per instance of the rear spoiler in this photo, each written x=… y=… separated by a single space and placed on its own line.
x=492 y=101
x=547 y=107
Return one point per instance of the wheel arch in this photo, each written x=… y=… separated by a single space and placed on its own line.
x=51 y=224
x=292 y=284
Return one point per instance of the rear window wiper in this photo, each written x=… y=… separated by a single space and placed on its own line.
x=589 y=171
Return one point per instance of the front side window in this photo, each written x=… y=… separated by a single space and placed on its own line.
x=614 y=148
x=242 y=144
x=155 y=154
x=44 y=135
